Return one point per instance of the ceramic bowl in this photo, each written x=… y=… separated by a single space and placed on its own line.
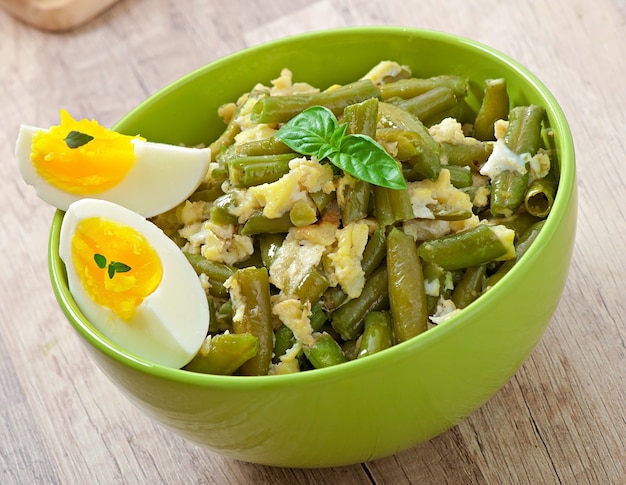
x=372 y=407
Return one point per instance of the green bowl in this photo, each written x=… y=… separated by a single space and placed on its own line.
x=372 y=407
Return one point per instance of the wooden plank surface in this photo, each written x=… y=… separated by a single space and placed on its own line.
x=561 y=419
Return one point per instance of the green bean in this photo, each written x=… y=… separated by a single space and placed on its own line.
x=377 y=334
x=208 y=192
x=318 y=317
x=218 y=273
x=333 y=298
x=438 y=284
x=410 y=149
x=523 y=136
x=257 y=170
x=356 y=201
x=284 y=339
x=362 y=117
x=470 y=287
x=348 y=319
x=494 y=106
x=221 y=211
x=426 y=158
x=460 y=177
x=280 y=109
x=471 y=247
x=432 y=106
x=269 y=244
x=411 y=87
x=392 y=205
x=539 y=196
x=324 y=352
x=312 y=286
x=266 y=146
x=302 y=214
x=227 y=137
x=524 y=242
x=350 y=349
x=257 y=223
x=224 y=316
x=253 y=314
x=507 y=192
x=472 y=154
x=322 y=200
x=225 y=354
x=519 y=222
x=407 y=296
x=374 y=252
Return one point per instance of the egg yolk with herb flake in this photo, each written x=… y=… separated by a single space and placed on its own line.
x=116 y=265
x=81 y=156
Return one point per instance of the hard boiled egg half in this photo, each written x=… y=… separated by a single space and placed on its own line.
x=79 y=159
x=133 y=283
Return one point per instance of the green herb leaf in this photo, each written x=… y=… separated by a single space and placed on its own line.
x=310 y=131
x=363 y=158
x=75 y=139
x=100 y=260
x=317 y=132
x=117 y=267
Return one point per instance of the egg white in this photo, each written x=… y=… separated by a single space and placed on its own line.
x=171 y=323
x=161 y=178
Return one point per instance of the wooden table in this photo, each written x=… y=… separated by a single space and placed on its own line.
x=560 y=419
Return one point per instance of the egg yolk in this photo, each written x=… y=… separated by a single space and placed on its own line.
x=117 y=266
x=99 y=162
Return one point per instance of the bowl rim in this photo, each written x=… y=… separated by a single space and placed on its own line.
x=564 y=195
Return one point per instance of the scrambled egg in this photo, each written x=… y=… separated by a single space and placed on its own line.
x=305 y=176
x=216 y=242
x=387 y=71
x=426 y=195
x=343 y=265
x=295 y=315
x=302 y=250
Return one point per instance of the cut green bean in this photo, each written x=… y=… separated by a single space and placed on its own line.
x=377 y=334
x=362 y=117
x=221 y=211
x=460 y=177
x=312 y=286
x=226 y=352
x=302 y=214
x=523 y=136
x=432 y=106
x=470 y=287
x=324 y=352
x=407 y=296
x=257 y=223
x=224 y=316
x=257 y=170
x=218 y=273
x=425 y=161
x=250 y=292
x=471 y=247
x=280 y=109
x=411 y=87
x=227 y=137
x=269 y=244
x=540 y=195
x=348 y=319
x=524 y=242
x=356 y=201
x=494 y=106
x=392 y=205
x=472 y=154
x=256 y=148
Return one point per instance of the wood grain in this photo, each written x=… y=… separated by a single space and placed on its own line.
x=561 y=419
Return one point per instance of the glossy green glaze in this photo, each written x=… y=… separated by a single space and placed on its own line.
x=390 y=401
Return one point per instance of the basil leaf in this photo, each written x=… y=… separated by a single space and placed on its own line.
x=100 y=260
x=75 y=139
x=363 y=158
x=120 y=267
x=310 y=131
